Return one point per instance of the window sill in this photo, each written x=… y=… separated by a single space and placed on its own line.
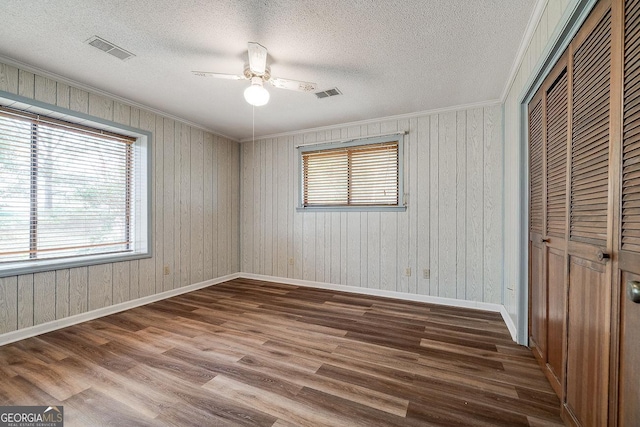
x=29 y=267
x=352 y=209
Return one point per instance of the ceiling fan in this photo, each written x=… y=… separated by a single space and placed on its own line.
x=258 y=72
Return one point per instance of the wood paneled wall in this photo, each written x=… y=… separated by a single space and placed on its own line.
x=515 y=283
x=453 y=226
x=195 y=210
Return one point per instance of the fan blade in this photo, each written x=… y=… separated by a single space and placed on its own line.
x=293 y=85
x=219 y=75
x=257 y=58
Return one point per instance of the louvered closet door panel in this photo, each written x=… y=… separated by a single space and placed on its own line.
x=589 y=287
x=590 y=136
x=631 y=132
x=557 y=109
x=629 y=256
x=535 y=169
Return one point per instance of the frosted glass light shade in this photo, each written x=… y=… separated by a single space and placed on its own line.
x=256 y=94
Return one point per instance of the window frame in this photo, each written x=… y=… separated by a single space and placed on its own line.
x=142 y=217
x=401 y=206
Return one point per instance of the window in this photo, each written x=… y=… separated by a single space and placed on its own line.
x=354 y=175
x=68 y=193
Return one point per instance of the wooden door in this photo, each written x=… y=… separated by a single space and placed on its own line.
x=590 y=222
x=628 y=274
x=548 y=140
x=537 y=282
x=556 y=144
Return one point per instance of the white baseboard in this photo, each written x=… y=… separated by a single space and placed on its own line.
x=101 y=312
x=486 y=306
x=32 y=331
x=508 y=320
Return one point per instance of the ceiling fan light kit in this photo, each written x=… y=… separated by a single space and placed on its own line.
x=258 y=72
x=256 y=94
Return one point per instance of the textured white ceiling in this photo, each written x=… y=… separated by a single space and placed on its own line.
x=387 y=57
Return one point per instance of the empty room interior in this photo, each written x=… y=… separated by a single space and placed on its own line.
x=320 y=213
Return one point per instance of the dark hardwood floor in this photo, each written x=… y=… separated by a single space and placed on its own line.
x=247 y=352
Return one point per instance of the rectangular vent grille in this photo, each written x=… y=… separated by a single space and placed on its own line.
x=327 y=93
x=109 y=48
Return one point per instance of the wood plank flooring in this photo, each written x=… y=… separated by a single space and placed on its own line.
x=255 y=353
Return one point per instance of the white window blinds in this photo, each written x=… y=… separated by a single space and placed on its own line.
x=360 y=175
x=65 y=190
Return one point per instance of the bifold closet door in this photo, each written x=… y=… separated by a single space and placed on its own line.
x=590 y=213
x=555 y=243
x=548 y=141
x=629 y=244
x=537 y=282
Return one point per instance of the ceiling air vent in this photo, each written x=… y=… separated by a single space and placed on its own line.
x=109 y=48
x=328 y=93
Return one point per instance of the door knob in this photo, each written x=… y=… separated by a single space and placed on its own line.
x=602 y=255
x=633 y=291
x=545 y=240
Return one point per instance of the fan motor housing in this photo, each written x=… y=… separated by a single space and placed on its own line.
x=249 y=74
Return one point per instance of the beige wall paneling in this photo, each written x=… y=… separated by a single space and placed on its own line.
x=292 y=201
x=78 y=296
x=62 y=293
x=169 y=204
x=388 y=251
x=100 y=286
x=121 y=281
x=177 y=203
x=134 y=279
x=63 y=95
x=78 y=100
x=26 y=84
x=402 y=219
x=121 y=113
x=435 y=199
x=474 y=276
x=411 y=172
x=8 y=78
x=100 y=106
x=44 y=297
x=147 y=121
x=270 y=194
x=185 y=205
x=493 y=206
x=447 y=205
x=259 y=213
x=216 y=208
x=25 y=301
x=157 y=221
x=336 y=255
x=234 y=176
x=461 y=204
x=224 y=212
x=45 y=90
x=8 y=304
x=207 y=199
x=197 y=206
x=419 y=197
x=284 y=205
x=247 y=206
x=297 y=221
